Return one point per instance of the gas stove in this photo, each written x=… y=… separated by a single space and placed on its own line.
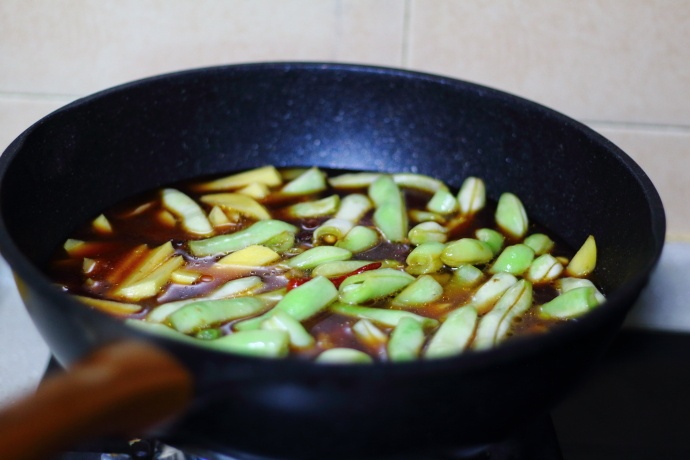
x=536 y=441
x=633 y=406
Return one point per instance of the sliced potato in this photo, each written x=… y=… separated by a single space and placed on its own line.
x=267 y=175
x=110 y=306
x=237 y=202
x=151 y=284
x=253 y=256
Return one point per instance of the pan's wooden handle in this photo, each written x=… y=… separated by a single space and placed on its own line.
x=123 y=388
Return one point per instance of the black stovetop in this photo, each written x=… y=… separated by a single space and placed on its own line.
x=635 y=405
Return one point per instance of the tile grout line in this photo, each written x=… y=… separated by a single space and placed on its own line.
x=24 y=96
x=405 y=45
x=638 y=126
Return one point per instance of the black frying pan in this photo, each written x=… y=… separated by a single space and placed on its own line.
x=77 y=161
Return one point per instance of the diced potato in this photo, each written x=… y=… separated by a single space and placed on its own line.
x=584 y=261
x=166 y=218
x=102 y=224
x=72 y=246
x=88 y=265
x=217 y=217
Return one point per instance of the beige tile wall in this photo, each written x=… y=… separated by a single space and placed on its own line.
x=621 y=66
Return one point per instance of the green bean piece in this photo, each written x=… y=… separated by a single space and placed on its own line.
x=491 y=237
x=472 y=196
x=454 y=335
x=343 y=267
x=163 y=331
x=467 y=275
x=390 y=218
x=511 y=215
x=281 y=243
x=443 y=202
x=489 y=330
x=406 y=340
x=257 y=233
x=301 y=303
x=568 y=284
x=427 y=232
x=204 y=313
x=489 y=292
x=417 y=215
x=332 y=231
x=423 y=290
x=523 y=303
x=373 y=284
x=282 y=321
x=390 y=215
x=323 y=207
x=515 y=259
x=383 y=189
x=570 y=304
x=310 y=181
x=368 y=333
x=353 y=180
x=425 y=258
x=384 y=316
x=343 y=356
x=585 y=259
x=359 y=239
x=258 y=343
x=271 y=298
x=353 y=207
x=193 y=218
x=409 y=180
x=232 y=288
x=318 y=255
x=419 y=182
x=209 y=334
x=544 y=269
x=466 y=251
x=540 y=243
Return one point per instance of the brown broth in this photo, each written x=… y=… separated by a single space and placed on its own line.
x=137 y=221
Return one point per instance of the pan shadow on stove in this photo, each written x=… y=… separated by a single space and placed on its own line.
x=636 y=403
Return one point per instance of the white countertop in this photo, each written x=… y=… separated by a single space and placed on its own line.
x=24 y=355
